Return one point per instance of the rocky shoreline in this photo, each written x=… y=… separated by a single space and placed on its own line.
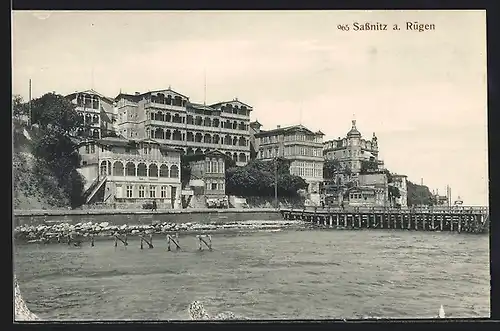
x=59 y=232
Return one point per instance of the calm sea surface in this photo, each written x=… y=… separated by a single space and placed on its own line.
x=290 y=274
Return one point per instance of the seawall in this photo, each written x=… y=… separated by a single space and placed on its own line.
x=120 y=217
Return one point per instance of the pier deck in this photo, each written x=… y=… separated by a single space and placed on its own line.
x=459 y=219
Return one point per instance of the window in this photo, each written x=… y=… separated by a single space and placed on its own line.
x=214 y=186
x=129 y=191
x=163 y=192
x=152 y=191
x=87 y=149
x=141 y=191
x=92 y=149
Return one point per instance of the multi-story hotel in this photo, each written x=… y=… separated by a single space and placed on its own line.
x=97 y=112
x=352 y=149
x=170 y=118
x=131 y=172
x=298 y=144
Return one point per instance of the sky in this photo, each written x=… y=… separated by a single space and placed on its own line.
x=424 y=94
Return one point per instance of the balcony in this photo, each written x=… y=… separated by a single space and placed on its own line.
x=235 y=116
x=194 y=127
x=149 y=104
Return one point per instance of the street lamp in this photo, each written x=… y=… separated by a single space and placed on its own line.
x=276 y=182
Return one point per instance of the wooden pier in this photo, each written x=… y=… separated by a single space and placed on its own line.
x=459 y=219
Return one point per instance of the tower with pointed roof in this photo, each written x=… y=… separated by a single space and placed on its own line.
x=351 y=150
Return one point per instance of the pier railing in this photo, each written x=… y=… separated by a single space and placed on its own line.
x=381 y=209
x=472 y=219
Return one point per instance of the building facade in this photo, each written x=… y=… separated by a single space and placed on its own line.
x=378 y=182
x=352 y=150
x=208 y=180
x=303 y=147
x=399 y=181
x=133 y=172
x=98 y=114
x=97 y=111
x=170 y=118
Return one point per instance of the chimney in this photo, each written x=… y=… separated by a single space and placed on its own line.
x=137 y=93
x=278 y=126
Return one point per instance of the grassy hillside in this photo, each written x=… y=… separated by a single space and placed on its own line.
x=34 y=187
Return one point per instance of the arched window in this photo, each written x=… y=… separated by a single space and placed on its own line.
x=142 y=170
x=235 y=125
x=190 y=136
x=198 y=137
x=242 y=141
x=174 y=171
x=215 y=139
x=215 y=123
x=227 y=140
x=207 y=121
x=104 y=169
x=168 y=135
x=158 y=133
x=163 y=170
x=243 y=157
x=177 y=135
x=207 y=139
x=118 y=169
x=95 y=133
x=198 y=120
x=153 y=170
x=235 y=157
x=235 y=141
x=130 y=169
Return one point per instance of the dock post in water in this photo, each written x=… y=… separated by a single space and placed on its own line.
x=92 y=240
x=201 y=239
x=173 y=240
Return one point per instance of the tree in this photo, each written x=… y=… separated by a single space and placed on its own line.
x=258 y=178
x=368 y=166
x=419 y=195
x=56 y=111
x=54 y=145
x=330 y=168
x=393 y=193
x=19 y=107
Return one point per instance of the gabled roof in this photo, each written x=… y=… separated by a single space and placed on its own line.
x=218 y=104
x=216 y=152
x=169 y=90
x=93 y=92
x=200 y=106
x=140 y=95
x=293 y=128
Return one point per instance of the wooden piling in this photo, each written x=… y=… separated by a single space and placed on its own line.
x=91 y=240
